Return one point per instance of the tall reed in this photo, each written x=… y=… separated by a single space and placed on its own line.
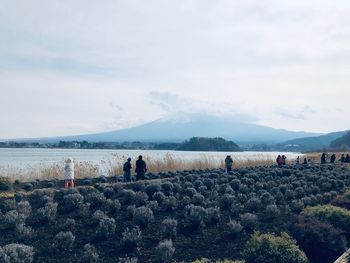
x=114 y=166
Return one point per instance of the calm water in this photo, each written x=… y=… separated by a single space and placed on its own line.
x=22 y=158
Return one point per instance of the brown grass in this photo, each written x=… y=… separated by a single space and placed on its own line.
x=315 y=157
x=172 y=163
x=115 y=166
x=47 y=171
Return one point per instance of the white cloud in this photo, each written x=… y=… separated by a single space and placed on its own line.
x=299 y=114
x=173 y=104
x=65 y=64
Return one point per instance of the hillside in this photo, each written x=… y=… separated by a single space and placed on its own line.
x=311 y=143
x=341 y=143
x=178 y=128
x=208 y=144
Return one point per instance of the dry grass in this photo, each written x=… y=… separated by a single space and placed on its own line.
x=47 y=171
x=316 y=156
x=115 y=166
x=172 y=163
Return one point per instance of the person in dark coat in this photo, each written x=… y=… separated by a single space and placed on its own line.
x=126 y=168
x=141 y=169
x=284 y=159
x=228 y=163
x=279 y=160
x=332 y=158
x=298 y=160
x=347 y=158
x=342 y=158
x=305 y=161
x=323 y=158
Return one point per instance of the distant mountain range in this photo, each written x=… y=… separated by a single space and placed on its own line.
x=341 y=143
x=182 y=127
x=326 y=141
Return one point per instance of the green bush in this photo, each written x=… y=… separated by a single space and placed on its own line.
x=10 y=219
x=89 y=254
x=127 y=260
x=16 y=253
x=336 y=216
x=321 y=241
x=205 y=260
x=346 y=195
x=23 y=232
x=169 y=204
x=5 y=184
x=234 y=227
x=267 y=248
x=24 y=209
x=64 y=241
x=342 y=200
x=106 y=227
x=130 y=238
x=72 y=201
x=213 y=215
x=249 y=221
x=142 y=216
x=164 y=251
x=169 y=228
x=194 y=216
x=47 y=213
x=152 y=188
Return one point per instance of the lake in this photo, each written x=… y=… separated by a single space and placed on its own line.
x=31 y=157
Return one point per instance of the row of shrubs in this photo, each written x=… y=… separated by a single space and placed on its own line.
x=155 y=216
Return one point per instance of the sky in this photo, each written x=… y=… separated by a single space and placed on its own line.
x=81 y=66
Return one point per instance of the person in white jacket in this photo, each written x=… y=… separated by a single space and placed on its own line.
x=69 y=173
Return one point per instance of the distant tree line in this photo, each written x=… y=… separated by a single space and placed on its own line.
x=193 y=144
x=20 y=145
x=78 y=145
x=202 y=144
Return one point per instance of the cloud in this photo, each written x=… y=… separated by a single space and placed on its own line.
x=299 y=114
x=153 y=58
x=134 y=37
x=173 y=104
x=116 y=107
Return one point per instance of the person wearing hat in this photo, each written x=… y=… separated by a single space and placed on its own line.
x=126 y=168
x=141 y=169
x=228 y=163
x=69 y=173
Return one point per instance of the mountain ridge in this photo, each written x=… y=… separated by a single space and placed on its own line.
x=312 y=143
x=341 y=142
x=177 y=130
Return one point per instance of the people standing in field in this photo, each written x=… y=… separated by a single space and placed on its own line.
x=127 y=170
x=69 y=173
x=347 y=158
x=332 y=160
x=228 y=163
x=323 y=158
x=279 y=160
x=141 y=169
x=342 y=158
x=284 y=159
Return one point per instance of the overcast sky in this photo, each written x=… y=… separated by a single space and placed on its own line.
x=73 y=67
